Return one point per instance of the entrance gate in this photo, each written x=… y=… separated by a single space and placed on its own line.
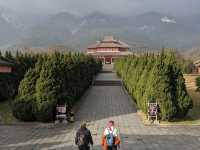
x=108 y=60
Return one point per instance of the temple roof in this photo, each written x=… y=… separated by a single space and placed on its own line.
x=125 y=53
x=5 y=63
x=108 y=42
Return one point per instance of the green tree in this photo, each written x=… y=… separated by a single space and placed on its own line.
x=198 y=83
x=47 y=91
x=156 y=78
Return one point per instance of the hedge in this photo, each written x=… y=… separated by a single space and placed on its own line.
x=156 y=78
x=57 y=78
x=24 y=109
x=9 y=82
x=198 y=84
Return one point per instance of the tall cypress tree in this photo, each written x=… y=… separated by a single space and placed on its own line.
x=156 y=78
x=47 y=91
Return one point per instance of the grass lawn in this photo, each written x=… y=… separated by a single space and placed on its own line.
x=6 y=113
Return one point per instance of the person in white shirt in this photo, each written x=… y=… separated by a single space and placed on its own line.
x=110 y=140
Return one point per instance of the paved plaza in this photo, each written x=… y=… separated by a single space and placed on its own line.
x=98 y=105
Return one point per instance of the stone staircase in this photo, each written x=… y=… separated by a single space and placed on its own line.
x=107 y=83
x=107 y=77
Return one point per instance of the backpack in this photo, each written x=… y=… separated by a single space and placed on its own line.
x=110 y=139
x=82 y=139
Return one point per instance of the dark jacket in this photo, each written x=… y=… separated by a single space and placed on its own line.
x=87 y=134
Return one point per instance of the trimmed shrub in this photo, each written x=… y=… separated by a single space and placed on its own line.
x=7 y=87
x=156 y=78
x=57 y=78
x=23 y=109
x=45 y=111
x=48 y=87
x=198 y=83
x=9 y=82
x=26 y=100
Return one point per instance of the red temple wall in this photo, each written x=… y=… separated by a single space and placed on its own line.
x=107 y=49
x=5 y=69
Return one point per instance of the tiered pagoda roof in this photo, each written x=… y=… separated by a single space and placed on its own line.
x=108 y=42
x=4 y=63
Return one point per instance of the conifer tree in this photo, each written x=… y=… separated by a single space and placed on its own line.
x=47 y=91
x=184 y=101
x=156 y=78
x=1 y=56
x=24 y=105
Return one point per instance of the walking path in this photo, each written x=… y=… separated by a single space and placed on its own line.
x=99 y=105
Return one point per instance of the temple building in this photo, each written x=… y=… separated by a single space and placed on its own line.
x=5 y=67
x=108 y=50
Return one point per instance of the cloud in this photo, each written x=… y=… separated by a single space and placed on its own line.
x=168 y=20
x=121 y=7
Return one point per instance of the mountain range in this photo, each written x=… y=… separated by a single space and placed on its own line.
x=147 y=30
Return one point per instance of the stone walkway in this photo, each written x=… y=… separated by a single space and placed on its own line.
x=100 y=104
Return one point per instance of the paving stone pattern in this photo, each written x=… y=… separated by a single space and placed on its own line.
x=99 y=105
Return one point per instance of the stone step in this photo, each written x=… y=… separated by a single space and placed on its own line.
x=107 y=83
x=107 y=71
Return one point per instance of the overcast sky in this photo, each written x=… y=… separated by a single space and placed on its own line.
x=123 y=7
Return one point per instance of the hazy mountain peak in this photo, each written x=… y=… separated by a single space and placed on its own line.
x=66 y=14
x=150 y=28
x=96 y=14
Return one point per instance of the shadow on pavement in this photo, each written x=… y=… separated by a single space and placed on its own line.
x=45 y=146
x=160 y=142
x=102 y=102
